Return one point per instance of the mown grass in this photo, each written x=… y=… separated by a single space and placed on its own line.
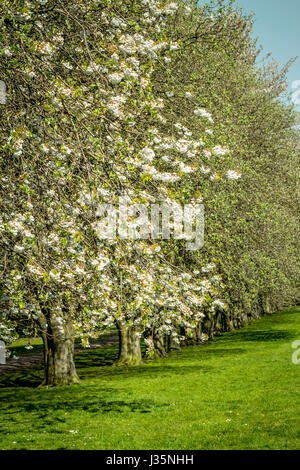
x=17 y=348
x=240 y=391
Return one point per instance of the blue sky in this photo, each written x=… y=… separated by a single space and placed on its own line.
x=277 y=26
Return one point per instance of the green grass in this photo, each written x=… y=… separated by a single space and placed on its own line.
x=240 y=391
x=17 y=348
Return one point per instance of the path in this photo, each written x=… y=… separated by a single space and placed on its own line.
x=35 y=359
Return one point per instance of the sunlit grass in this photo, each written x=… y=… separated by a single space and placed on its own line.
x=240 y=391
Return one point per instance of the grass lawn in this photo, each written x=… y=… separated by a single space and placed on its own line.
x=240 y=391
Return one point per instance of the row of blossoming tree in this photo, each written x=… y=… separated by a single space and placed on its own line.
x=139 y=102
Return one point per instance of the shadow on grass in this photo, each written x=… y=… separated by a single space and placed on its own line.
x=97 y=357
x=88 y=364
x=92 y=404
x=20 y=350
x=257 y=336
x=27 y=377
x=99 y=363
x=53 y=407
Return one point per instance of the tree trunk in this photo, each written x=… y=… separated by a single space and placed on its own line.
x=228 y=325
x=58 y=341
x=129 y=345
x=198 y=333
x=159 y=342
x=208 y=326
x=172 y=345
x=267 y=304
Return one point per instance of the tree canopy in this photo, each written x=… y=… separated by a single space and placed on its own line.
x=140 y=102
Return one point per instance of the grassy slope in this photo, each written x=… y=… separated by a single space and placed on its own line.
x=241 y=391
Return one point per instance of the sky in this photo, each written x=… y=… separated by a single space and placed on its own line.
x=277 y=26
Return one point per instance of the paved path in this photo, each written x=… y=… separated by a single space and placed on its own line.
x=35 y=359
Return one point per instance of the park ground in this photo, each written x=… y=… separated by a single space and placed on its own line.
x=239 y=391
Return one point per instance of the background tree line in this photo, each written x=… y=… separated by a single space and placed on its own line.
x=148 y=101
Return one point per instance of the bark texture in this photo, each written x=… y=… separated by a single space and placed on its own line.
x=129 y=345
x=58 y=341
x=160 y=343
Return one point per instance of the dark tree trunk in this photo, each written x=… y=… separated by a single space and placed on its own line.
x=198 y=333
x=129 y=345
x=171 y=344
x=267 y=304
x=58 y=341
x=208 y=327
x=228 y=326
x=160 y=344
x=192 y=335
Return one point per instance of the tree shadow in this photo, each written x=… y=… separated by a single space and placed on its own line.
x=94 y=358
x=93 y=363
x=91 y=404
x=20 y=350
x=54 y=406
x=201 y=354
x=29 y=377
x=258 y=335
x=97 y=363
